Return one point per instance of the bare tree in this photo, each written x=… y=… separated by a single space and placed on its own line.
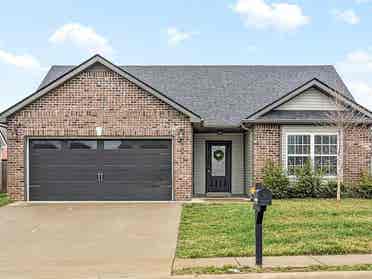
x=344 y=117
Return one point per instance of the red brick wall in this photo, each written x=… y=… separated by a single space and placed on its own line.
x=266 y=146
x=75 y=109
x=357 y=152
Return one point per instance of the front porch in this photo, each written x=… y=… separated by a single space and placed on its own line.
x=222 y=164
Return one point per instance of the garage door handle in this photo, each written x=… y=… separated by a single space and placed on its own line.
x=100 y=177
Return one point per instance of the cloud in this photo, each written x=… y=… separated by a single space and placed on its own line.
x=358 y=62
x=363 y=1
x=175 y=36
x=362 y=92
x=24 y=61
x=84 y=37
x=348 y=16
x=280 y=16
x=356 y=69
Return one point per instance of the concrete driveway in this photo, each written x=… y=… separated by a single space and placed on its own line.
x=88 y=240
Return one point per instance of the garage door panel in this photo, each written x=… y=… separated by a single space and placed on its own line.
x=67 y=174
x=132 y=170
x=130 y=192
x=114 y=191
x=57 y=192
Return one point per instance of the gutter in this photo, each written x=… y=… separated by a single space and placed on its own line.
x=244 y=127
x=295 y=121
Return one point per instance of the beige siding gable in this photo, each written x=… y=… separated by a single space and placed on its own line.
x=311 y=99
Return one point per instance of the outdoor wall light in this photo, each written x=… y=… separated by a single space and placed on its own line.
x=180 y=135
x=99 y=131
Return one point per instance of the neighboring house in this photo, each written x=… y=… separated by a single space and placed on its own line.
x=3 y=142
x=3 y=157
x=98 y=131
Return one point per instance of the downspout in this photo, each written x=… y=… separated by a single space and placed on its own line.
x=193 y=161
x=244 y=156
x=244 y=163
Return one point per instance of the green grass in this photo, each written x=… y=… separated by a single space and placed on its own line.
x=233 y=269
x=4 y=199
x=291 y=227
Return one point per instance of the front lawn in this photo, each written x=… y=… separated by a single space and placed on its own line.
x=291 y=227
x=4 y=199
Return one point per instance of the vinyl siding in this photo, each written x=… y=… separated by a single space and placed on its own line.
x=237 y=157
x=311 y=99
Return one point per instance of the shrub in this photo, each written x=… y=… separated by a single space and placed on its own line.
x=327 y=189
x=308 y=182
x=364 y=188
x=276 y=180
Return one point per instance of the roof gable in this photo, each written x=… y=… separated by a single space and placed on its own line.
x=318 y=85
x=311 y=99
x=97 y=59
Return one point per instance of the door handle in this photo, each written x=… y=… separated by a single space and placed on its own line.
x=98 y=177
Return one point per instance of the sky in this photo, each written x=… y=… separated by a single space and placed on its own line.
x=37 y=34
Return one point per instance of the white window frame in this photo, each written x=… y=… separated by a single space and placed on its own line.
x=312 y=148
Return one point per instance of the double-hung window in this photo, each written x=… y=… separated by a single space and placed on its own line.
x=298 y=152
x=325 y=154
x=317 y=148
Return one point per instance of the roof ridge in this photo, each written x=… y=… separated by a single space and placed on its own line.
x=229 y=65
x=234 y=65
x=215 y=65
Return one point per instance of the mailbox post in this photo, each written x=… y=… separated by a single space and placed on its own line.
x=262 y=197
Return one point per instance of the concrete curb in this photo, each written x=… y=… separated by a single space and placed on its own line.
x=283 y=261
x=290 y=275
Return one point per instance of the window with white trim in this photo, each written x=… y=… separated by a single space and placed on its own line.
x=298 y=152
x=325 y=154
x=319 y=149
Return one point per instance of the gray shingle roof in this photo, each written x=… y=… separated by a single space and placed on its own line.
x=224 y=95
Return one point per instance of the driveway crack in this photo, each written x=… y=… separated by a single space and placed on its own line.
x=316 y=259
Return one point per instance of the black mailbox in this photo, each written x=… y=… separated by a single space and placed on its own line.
x=261 y=198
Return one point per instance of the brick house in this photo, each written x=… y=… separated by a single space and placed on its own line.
x=98 y=131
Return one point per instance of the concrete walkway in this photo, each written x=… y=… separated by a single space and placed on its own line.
x=290 y=261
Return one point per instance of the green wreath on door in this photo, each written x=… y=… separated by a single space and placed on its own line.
x=218 y=155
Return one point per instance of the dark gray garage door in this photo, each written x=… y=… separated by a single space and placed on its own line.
x=92 y=170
